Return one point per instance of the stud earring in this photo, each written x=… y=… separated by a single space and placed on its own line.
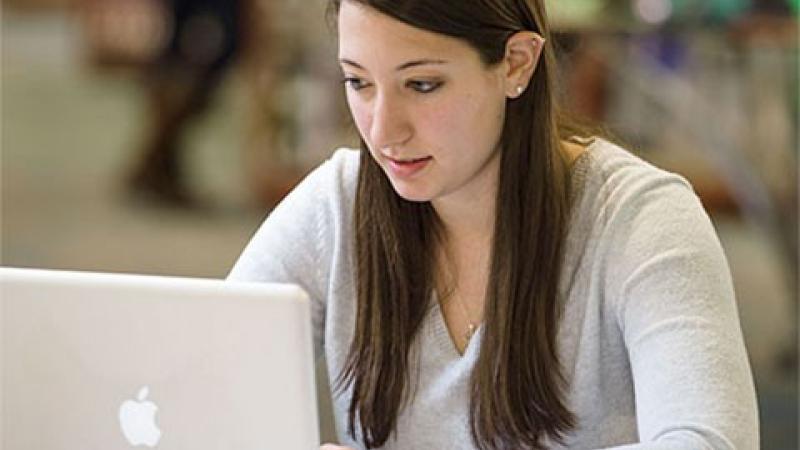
x=519 y=90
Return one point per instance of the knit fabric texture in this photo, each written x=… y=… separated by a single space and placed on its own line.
x=649 y=340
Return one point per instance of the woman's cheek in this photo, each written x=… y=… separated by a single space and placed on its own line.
x=446 y=122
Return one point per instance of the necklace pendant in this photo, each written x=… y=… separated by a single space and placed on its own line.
x=470 y=331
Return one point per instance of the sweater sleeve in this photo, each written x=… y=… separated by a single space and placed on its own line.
x=293 y=245
x=670 y=291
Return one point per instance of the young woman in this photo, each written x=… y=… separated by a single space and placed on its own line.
x=481 y=277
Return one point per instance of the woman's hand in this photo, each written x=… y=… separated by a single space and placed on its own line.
x=333 y=447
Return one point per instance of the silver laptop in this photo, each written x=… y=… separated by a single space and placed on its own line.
x=103 y=361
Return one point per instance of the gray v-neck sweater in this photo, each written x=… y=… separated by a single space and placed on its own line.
x=650 y=337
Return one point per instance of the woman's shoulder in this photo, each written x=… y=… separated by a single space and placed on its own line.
x=634 y=218
x=335 y=179
x=631 y=205
x=346 y=159
x=342 y=166
x=304 y=227
x=608 y=163
x=325 y=196
x=608 y=177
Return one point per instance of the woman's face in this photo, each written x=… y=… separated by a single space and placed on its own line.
x=429 y=110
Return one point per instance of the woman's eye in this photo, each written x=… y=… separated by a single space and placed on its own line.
x=355 y=84
x=424 y=87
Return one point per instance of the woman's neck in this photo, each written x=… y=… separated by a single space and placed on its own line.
x=469 y=223
x=468 y=215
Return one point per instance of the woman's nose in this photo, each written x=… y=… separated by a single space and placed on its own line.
x=390 y=125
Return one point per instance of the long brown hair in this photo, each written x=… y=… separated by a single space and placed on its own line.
x=517 y=386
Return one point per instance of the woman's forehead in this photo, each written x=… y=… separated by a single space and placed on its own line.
x=366 y=34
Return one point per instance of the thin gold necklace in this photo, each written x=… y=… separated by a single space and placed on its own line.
x=471 y=326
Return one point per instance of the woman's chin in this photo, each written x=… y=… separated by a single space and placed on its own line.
x=410 y=194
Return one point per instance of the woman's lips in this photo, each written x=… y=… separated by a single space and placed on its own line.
x=408 y=167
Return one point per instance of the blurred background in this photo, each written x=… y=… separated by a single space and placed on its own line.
x=153 y=136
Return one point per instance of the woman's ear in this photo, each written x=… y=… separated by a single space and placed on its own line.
x=523 y=50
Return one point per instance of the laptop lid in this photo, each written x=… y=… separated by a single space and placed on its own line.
x=108 y=361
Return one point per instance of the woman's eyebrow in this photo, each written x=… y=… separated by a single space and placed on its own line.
x=404 y=66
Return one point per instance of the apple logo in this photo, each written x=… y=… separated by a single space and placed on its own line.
x=138 y=420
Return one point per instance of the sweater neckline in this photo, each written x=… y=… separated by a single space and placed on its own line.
x=438 y=329
x=441 y=335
